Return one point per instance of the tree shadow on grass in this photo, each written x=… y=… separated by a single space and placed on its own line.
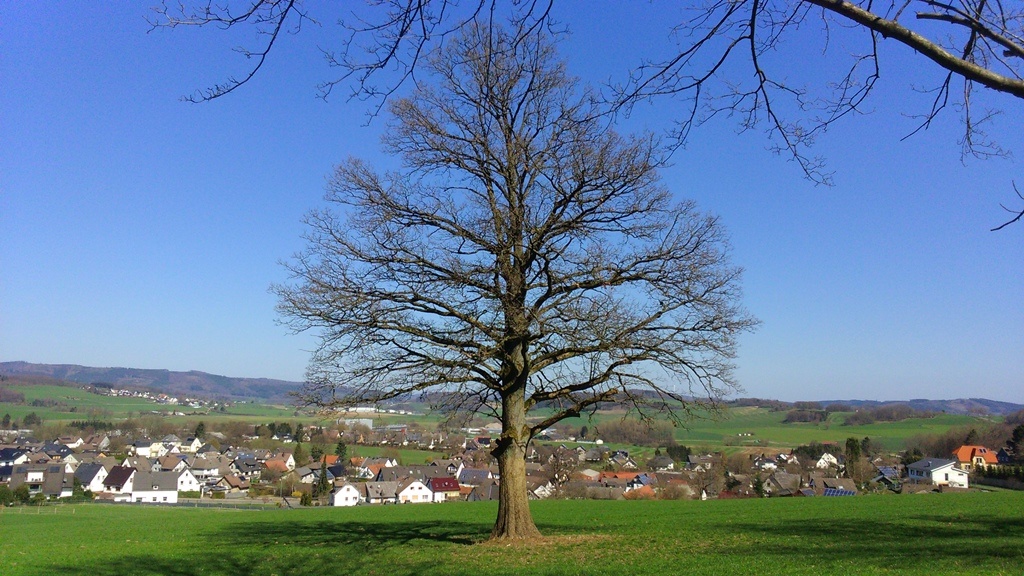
x=921 y=541
x=293 y=546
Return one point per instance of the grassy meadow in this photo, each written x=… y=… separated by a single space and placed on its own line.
x=955 y=534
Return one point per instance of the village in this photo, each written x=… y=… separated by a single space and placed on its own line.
x=313 y=467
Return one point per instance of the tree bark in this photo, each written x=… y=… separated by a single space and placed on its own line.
x=515 y=522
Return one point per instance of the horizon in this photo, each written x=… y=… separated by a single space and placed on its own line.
x=824 y=402
x=141 y=230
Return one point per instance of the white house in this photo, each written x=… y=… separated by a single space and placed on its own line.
x=91 y=475
x=155 y=488
x=444 y=488
x=119 y=483
x=187 y=482
x=827 y=461
x=938 y=472
x=346 y=495
x=191 y=444
x=414 y=491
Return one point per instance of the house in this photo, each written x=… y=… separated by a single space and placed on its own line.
x=119 y=483
x=661 y=463
x=171 y=443
x=210 y=468
x=97 y=442
x=91 y=476
x=411 y=491
x=765 y=464
x=52 y=480
x=72 y=442
x=975 y=457
x=247 y=467
x=170 y=463
x=451 y=467
x=1006 y=456
x=13 y=456
x=826 y=462
x=191 y=445
x=444 y=488
x=187 y=482
x=56 y=450
x=371 y=467
x=141 y=463
x=701 y=462
x=232 y=483
x=379 y=492
x=782 y=484
x=155 y=487
x=539 y=487
x=474 y=476
x=488 y=490
x=937 y=472
x=278 y=465
x=837 y=487
x=345 y=495
x=888 y=476
x=621 y=459
x=148 y=448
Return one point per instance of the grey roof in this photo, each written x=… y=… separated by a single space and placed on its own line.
x=379 y=490
x=155 y=481
x=474 y=476
x=929 y=464
x=86 y=472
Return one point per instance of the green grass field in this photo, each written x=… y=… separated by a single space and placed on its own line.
x=954 y=534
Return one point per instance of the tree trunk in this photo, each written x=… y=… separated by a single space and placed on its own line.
x=515 y=522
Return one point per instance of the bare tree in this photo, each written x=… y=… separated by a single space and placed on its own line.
x=721 y=64
x=525 y=257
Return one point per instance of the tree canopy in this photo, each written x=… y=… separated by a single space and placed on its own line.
x=525 y=256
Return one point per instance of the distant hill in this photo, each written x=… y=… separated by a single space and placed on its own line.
x=978 y=406
x=170 y=382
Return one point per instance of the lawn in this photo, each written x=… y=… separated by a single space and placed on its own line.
x=955 y=534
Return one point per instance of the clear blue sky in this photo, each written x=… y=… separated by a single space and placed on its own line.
x=137 y=230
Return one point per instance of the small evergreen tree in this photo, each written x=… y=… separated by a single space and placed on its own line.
x=317 y=453
x=852 y=457
x=341 y=450
x=200 y=431
x=299 y=454
x=759 y=486
x=972 y=437
x=323 y=486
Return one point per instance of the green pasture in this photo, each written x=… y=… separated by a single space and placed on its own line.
x=954 y=534
x=746 y=427
x=731 y=430
x=766 y=428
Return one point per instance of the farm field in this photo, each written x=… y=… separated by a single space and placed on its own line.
x=733 y=430
x=955 y=534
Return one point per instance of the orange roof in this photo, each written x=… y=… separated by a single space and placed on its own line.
x=331 y=459
x=278 y=464
x=969 y=453
x=618 y=475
